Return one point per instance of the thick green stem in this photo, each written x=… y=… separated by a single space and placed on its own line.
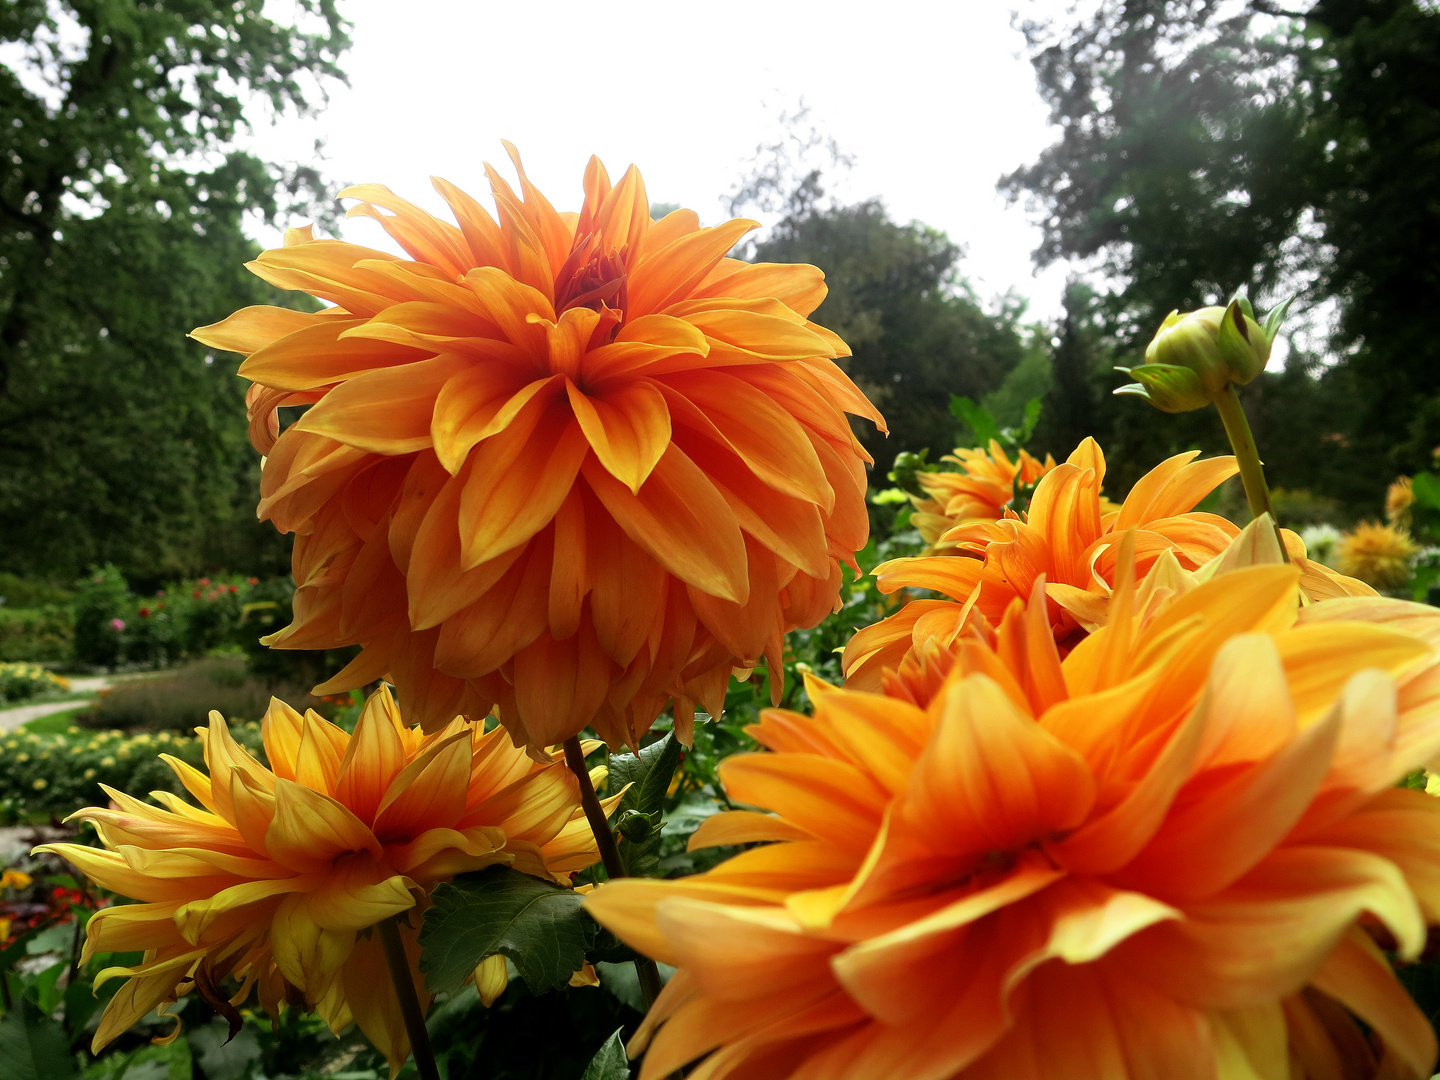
x=410 y=1010
x=645 y=968
x=1252 y=473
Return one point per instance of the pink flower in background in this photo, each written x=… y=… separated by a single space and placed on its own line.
x=204 y=581
x=117 y=625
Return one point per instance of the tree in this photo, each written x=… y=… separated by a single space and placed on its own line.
x=122 y=200
x=1205 y=147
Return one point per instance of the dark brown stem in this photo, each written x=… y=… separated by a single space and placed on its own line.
x=645 y=968
x=409 y=1003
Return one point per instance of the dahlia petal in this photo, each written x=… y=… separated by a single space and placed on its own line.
x=765 y=436
x=310 y=829
x=440 y=327
x=375 y=755
x=327 y=269
x=673 y=271
x=482 y=234
x=508 y=303
x=1173 y=487
x=1237 y=821
x=341 y=904
x=744 y=827
x=645 y=342
x=349 y=413
x=371 y=995
x=429 y=792
x=322 y=746
x=280 y=733
x=681 y=521
x=828 y=799
x=569 y=570
x=517 y=483
x=627 y=426
x=307 y=954
x=1265 y=936
x=800 y=288
x=147 y=986
x=318 y=355
x=425 y=237
x=252 y=328
x=1357 y=975
x=482 y=636
x=560 y=685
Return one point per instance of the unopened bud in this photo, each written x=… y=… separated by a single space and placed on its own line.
x=1194 y=356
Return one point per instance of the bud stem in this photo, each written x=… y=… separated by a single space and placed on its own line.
x=410 y=1010
x=645 y=968
x=1252 y=473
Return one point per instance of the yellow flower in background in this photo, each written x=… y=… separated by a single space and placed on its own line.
x=277 y=878
x=1376 y=554
x=1399 y=498
x=982 y=489
x=1168 y=854
x=14 y=879
x=576 y=465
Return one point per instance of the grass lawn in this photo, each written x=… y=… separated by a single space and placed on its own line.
x=55 y=723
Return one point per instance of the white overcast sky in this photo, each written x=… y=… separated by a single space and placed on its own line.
x=934 y=101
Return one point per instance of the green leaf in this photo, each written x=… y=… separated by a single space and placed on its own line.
x=538 y=925
x=610 y=1063
x=976 y=418
x=32 y=1046
x=1032 y=417
x=1426 y=487
x=650 y=772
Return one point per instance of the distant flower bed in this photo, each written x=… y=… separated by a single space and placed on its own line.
x=56 y=774
x=20 y=682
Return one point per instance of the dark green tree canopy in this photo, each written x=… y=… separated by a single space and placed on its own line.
x=122 y=198
x=1204 y=148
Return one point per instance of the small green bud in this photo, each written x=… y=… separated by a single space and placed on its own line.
x=635 y=826
x=1195 y=355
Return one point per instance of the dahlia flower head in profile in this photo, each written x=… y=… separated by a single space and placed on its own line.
x=982 y=489
x=1070 y=539
x=1377 y=554
x=281 y=874
x=1177 y=852
x=571 y=464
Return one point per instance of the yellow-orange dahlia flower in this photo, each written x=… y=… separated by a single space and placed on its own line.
x=983 y=489
x=571 y=464
x=1177 y=852
x=1399 y=498
x=1378 y=555
x=274 y=879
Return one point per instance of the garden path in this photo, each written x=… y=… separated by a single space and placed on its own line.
x=13 y=718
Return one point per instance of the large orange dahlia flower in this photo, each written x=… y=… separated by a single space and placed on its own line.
x=279 y=875
x=571 y=464
x=1070 y=539
x=1178 y=852
x=981 y=489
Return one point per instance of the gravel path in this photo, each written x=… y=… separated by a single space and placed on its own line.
x=13 y=718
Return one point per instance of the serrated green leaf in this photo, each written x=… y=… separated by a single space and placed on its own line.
x=649 y=772
x=610 y=1062
x=539 y=926
x=32 y=1046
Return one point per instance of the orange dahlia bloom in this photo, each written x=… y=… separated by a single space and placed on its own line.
x=983 y=489
x=278 y=876
x=1067 y=537
x=1176 y=852
x=1071 y=539
x=571 y=464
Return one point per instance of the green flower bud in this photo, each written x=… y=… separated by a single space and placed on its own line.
x=1194 y=356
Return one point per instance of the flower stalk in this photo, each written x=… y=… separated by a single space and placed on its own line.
x=414 y=1016
x=645 y=968
x=1247 y=456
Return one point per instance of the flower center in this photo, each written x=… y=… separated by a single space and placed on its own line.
x=593 y=279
